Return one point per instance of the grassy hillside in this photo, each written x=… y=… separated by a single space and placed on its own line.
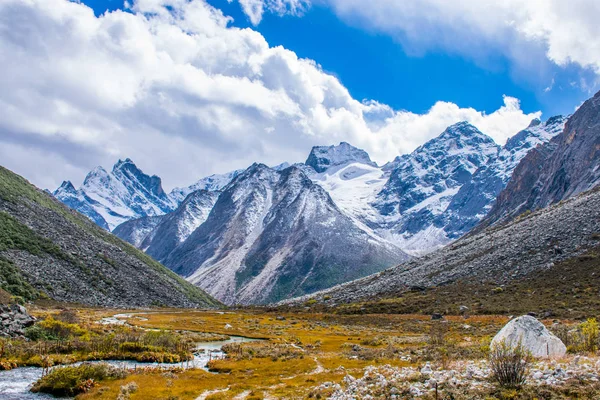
x=19 y=200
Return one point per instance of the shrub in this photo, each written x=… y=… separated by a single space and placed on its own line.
x=589 y=334
x=70 y=381
x=59 y=330
x=509 y=364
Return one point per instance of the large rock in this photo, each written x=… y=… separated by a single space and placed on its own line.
x=533 y=336
x=13 y=320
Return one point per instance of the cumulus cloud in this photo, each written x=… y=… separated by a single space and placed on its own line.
x=172 y=85
x=564 y=31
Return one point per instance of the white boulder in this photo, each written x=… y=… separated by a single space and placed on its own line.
x=533 y=336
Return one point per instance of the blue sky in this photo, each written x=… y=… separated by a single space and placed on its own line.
x=189 y=88
x=375 y=66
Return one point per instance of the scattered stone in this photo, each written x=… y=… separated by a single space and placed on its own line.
x=533 y=336
x=436 y=316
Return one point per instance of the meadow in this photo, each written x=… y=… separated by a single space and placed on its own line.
x=303 y=355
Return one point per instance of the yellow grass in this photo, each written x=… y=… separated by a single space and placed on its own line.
x=326 y=341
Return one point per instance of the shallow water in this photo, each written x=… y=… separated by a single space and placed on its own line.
x=15 y=384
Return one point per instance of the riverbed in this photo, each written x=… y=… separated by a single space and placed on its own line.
x=15 y=384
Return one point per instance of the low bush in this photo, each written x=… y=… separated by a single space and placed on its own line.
x=71 y=381
x=509 y=364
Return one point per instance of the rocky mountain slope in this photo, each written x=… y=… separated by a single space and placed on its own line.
x=564 y=167
x=499 y=254
x=273 y=235
x=420 y=201
x=110 y=199
x=478 y=195
x=158 y=236
x=46 y=249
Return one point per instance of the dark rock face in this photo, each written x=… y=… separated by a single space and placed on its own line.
x=322 y=158
x=274 y=235
x=563 y=168
x=79 y=261
x=13 y=320
x=496 y=254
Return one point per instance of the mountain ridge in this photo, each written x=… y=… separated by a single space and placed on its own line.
x=55 y=251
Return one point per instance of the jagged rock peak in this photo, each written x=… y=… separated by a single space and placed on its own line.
x=322 y=158
x=66 y=186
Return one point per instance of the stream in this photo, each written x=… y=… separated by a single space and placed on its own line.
x=15 y=384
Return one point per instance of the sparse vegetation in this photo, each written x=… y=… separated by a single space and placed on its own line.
x=304 y=351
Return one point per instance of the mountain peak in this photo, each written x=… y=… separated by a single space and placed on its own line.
x=67 y=185
x=322 y=158
x=464 y=129
x=66 y=188
x=123 y=164
x=534 y=122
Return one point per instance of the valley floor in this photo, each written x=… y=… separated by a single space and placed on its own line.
x=307 y=355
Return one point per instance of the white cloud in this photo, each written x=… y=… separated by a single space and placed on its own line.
x=183 y=94
x=564 y=31
x=255 y=9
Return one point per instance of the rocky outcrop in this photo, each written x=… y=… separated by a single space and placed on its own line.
x=13 y=320
x=532 y=335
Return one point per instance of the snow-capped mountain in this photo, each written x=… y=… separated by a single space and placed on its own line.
x=322 y=158
x=424 y=200
x=135 y=231
x=275 y=234
x=210 y=183
x=422 y=185
x=112 y=198
x=78 y=200
x=476 y=198
x=158 y=236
